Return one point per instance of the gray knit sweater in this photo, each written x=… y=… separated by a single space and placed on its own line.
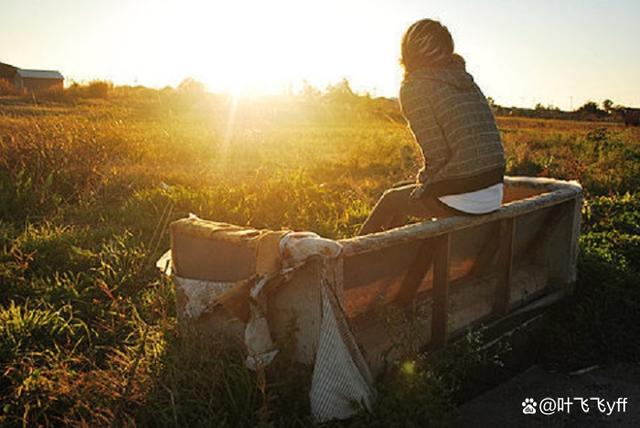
x=455 y=128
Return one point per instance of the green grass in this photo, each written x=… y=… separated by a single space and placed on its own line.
x=87 y=325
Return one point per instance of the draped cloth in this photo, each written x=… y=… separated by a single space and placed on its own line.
x=341 y=382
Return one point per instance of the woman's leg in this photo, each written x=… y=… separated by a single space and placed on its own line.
x=396 y=204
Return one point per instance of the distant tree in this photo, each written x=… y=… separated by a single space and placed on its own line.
x=607 y=105
x=590 y=110
x=308 y=90
x=342 y=88
x=190 y=86
x=618 y=108
x=341 y=93
x=589 y=107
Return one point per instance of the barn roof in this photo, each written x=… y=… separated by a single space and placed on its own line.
x=40 y=74
x=8 y=65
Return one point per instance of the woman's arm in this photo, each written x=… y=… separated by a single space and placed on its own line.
x=426 y=129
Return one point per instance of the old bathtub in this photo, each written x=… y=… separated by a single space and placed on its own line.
x=416 y=285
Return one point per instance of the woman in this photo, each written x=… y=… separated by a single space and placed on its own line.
x=455 y=128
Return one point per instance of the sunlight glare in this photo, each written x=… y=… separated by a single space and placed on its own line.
x=241 y=53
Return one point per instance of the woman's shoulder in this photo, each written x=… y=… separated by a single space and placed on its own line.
x=413 y=88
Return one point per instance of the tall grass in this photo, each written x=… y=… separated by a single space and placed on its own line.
x=87 y=326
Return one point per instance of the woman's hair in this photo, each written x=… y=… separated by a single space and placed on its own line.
x=427 y=43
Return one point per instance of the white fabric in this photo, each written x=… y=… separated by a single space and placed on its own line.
x=341 y=381
x=200 y=295
x=341 y=376
x=295 y=247
x=164 y=263
x=257 y=336
x=479 y=202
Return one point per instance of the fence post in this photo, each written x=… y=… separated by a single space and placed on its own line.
x=505 y=266
x=440 y=308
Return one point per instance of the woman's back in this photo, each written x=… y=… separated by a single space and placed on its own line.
x=455 y=128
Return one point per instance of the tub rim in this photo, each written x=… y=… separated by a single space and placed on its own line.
x=555 y=192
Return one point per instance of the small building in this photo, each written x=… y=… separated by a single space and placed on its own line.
x=38 y=80
x=31 y=80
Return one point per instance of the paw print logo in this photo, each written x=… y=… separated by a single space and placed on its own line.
x=529 y=406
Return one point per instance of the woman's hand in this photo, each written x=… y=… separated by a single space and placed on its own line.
x=417 y=192
x=421 y=179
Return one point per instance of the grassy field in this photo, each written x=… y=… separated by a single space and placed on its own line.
x=87 y=324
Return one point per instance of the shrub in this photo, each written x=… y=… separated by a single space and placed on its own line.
x=98 y=89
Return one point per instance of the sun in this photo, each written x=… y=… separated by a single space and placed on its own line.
x=241 y=53
x=250 y=47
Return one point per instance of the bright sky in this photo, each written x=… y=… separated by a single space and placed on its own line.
x=520 y=52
